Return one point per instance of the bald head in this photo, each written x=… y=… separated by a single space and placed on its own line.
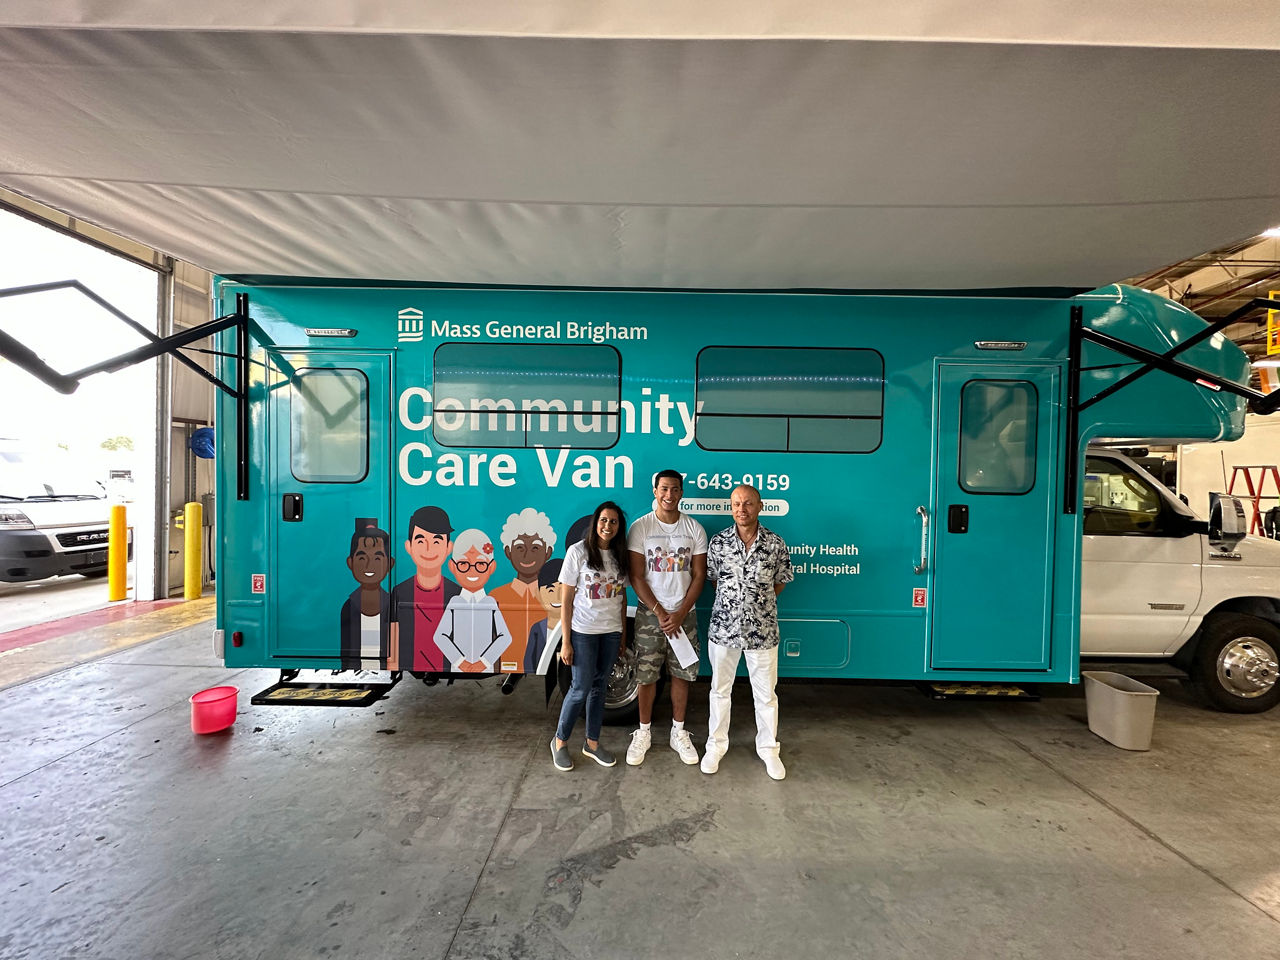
x=745 y=504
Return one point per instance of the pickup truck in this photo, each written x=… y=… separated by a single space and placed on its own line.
x=1159 y=585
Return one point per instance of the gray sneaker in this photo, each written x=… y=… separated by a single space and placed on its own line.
x=600 y=755
x=560 y=756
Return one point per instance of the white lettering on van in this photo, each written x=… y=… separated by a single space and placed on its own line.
x=552 y=476
x=406 y=471
x=406 y=420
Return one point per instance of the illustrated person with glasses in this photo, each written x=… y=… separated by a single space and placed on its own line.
x=472 y=633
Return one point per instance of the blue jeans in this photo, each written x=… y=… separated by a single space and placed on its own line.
x=593 y=656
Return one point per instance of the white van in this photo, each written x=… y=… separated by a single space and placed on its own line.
x=1158 y=583
x=53 y=516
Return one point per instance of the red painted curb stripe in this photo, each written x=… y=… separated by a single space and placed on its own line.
x=37 y=632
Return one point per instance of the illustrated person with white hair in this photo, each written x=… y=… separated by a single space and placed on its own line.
x=472 y=633
x=527 y=539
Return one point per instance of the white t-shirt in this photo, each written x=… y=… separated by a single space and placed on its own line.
x=668 y=550
x=599 y=596
x=370 y=636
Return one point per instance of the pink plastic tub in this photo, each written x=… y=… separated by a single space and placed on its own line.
x=213 y=709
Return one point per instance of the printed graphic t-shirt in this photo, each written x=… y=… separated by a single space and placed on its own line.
x=599 y=596
x=668 y=550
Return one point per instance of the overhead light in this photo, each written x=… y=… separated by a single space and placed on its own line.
x=1269 y=362
x=1273 y=232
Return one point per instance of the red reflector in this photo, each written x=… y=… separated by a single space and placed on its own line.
x=237 y=639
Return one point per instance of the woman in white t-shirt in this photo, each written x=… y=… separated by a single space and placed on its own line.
x=593 y=599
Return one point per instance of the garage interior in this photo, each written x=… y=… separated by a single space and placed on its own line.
x=921 y=148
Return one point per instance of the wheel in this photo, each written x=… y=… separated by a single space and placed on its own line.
x=1234 y=667
x=621 y=706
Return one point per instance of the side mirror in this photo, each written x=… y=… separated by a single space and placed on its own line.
x=1226 y=521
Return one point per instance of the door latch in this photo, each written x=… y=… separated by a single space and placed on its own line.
x=958 y=518
x=292 y=507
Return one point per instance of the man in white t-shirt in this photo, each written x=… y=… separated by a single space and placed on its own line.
x=667 y=590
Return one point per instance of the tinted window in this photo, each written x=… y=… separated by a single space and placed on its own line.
x=1117 y=501
x=998 y=436
x=799 y=399
x=329 y=426
x=526 y=395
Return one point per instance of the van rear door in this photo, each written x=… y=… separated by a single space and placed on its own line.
x=995 y=446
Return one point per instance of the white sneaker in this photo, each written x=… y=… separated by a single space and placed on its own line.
x=640 y=742
x=682 y=745
x=710 y=761
x=773 y=766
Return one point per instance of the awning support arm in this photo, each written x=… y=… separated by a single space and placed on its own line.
x=26 y=358
x=1260 y=403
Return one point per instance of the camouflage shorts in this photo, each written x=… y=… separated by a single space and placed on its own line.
x=652 y=648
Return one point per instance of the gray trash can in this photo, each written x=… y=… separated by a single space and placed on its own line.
x=1121 y=710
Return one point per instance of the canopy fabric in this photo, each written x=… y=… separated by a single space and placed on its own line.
x=601 y=145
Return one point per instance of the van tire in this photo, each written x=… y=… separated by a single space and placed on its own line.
x=1234 y=666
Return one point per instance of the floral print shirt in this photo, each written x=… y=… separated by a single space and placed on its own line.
x=745 y=613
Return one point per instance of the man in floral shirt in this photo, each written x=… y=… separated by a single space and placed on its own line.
x=749 y=566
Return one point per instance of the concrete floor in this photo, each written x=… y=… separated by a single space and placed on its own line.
x=434 y=825
x=39 y=601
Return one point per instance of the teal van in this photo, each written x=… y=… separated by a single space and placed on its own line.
x=922 y=456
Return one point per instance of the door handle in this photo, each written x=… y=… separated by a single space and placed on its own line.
x=958 y=518
x=924 y=539
x=292 y=507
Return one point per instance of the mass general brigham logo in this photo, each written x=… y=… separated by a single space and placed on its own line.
x=409 y=326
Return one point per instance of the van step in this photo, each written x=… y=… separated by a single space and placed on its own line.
x=977 y=691
x=313 y=692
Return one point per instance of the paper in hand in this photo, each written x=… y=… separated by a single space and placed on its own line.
x=683 y=649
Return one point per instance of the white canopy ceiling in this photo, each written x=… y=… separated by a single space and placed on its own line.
x=915 y=145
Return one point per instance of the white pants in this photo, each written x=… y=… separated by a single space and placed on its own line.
x=762 y=669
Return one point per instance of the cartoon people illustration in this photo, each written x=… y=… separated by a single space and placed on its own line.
x=472 y=633
x=365 y=620
x=549 y=598
x=527 y=540
x=418 y=604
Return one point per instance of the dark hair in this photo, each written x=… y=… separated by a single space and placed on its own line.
x=367 y=529
x=550 y=572
x=675 y=475
x=617 y=546
x=430 y=519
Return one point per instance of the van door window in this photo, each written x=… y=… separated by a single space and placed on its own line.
x=1119 y=502
x=329 y=426
x=998 y=436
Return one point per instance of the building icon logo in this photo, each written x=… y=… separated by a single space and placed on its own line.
x=409 y=326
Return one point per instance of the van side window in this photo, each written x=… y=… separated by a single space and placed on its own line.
x=797 y=399
x=998 y=421
x=526 y=395
x=329 y=425
x=1118 y=502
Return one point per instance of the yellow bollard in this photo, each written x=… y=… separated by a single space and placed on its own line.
x=193 y=551
x=117 y=555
